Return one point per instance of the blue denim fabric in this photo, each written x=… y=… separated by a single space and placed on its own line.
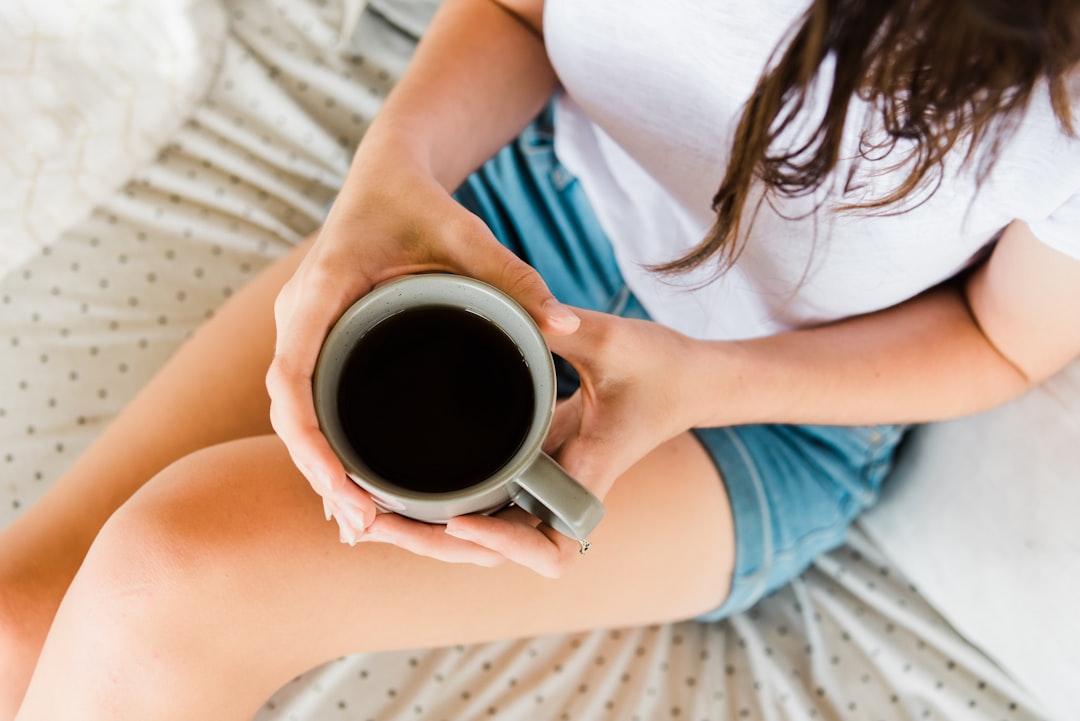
x=793 y=489
x=537 y=209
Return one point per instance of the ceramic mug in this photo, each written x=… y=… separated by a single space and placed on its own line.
x=436 y=391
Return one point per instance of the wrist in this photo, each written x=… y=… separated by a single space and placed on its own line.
x=716 y=384
x=392 y=143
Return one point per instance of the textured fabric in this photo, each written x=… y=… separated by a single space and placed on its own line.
x=652 y=94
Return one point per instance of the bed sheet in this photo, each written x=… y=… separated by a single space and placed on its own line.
x=84 y=323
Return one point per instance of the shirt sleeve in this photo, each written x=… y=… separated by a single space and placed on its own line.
x=1061 y=229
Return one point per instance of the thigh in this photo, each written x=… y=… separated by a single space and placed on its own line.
x=229 y=548
x=663 y=551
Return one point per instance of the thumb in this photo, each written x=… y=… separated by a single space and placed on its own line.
x=494 y=264
x=521 y=281
x=592 y=343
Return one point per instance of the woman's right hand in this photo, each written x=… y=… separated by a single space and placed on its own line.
x=391 y=218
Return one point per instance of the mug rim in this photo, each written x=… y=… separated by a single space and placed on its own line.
x=389 y=299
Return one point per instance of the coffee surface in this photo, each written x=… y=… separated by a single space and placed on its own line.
x=435 y=399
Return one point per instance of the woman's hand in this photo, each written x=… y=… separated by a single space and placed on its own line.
x=634 y=396
x=391 y=219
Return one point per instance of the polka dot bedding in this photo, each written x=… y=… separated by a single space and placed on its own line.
x=85 y=322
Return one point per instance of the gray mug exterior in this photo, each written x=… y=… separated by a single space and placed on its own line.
x=530 y=479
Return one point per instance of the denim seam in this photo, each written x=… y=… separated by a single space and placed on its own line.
x=619 y=301
x=878 y=458
x=760 y=575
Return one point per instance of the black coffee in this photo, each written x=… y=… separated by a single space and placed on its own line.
x=435 y=399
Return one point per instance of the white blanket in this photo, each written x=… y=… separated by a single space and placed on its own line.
x=89 y=92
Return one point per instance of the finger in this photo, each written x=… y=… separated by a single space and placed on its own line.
x=310 y=304
x=292 y=415
x=486 y=259
x=541 y=549
x=430 y=540
x=593 y=336
x=304 y=313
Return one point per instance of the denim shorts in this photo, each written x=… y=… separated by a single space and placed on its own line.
x=793 y=489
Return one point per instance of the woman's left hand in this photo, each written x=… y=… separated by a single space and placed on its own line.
x=635 y=394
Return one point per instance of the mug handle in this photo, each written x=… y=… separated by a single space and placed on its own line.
x=548 y=492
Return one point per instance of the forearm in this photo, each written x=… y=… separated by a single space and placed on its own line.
x=925 y=359
x=478 y=76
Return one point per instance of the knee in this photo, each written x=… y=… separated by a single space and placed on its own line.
x=160 y=614
x=140 y=608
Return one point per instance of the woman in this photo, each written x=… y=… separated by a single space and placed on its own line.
x=894 y=241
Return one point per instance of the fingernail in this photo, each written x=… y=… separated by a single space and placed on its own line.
x=559 y=313
x=327 y=509
x=458 y=533
x=352 y=514
x=346 y=534
x=373 y=535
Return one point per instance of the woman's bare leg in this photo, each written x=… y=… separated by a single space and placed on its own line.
x=219 y=581
x=209 y=392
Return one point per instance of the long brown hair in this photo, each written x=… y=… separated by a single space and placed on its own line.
x=938 y=74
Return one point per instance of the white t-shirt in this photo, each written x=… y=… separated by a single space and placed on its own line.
x=652 y=92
